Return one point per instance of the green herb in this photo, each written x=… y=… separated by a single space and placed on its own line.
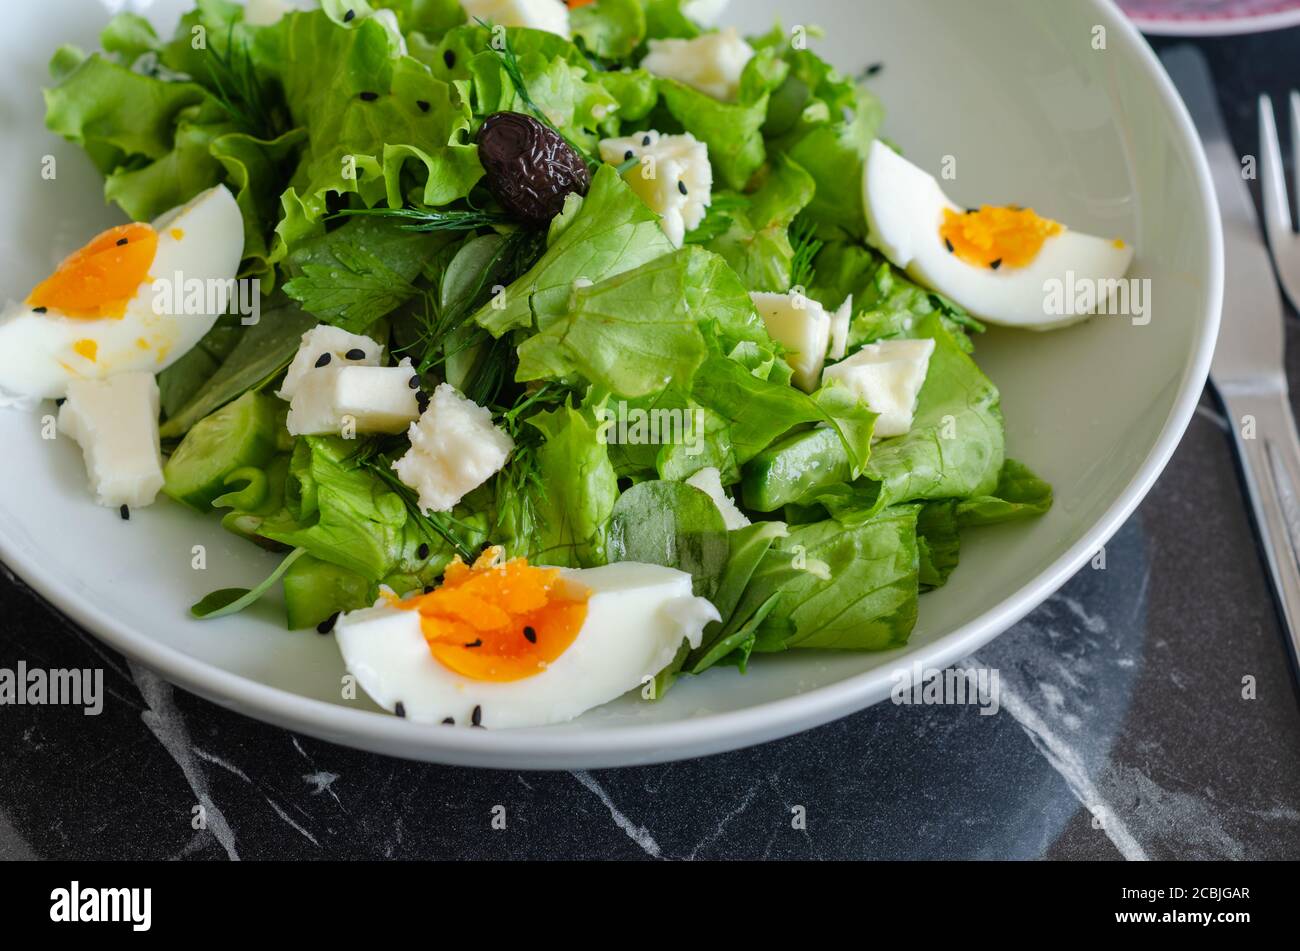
x=238 y=90
x=803 y=236
x=233 y=600
x=436 y=526
x=428 y=219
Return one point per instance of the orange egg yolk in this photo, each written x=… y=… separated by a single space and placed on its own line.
x=996 y=237
x=101 y=278
x=499 y=621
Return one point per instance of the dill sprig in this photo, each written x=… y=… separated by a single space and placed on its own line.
x=425 y=220
x=239 y=91
x=434 y=525
x=803 y=238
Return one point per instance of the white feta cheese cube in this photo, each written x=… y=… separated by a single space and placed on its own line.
x=802 y=326
x=341 y=400
x=707 y=12
x=887 y=376
x=115 y=421
x=672 y=176
x=325 y=346
x=455 y=448
x=712 y=63
x=549 y=15
x=709 y=481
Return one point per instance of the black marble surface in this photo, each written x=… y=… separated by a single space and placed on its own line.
x=1123 y=731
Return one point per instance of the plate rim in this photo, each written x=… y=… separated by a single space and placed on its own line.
x=643 y=744
x=1217 y=26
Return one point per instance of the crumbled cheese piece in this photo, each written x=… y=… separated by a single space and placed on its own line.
x=802 y=326
x=339 y=400
x=672 y=176
x=549 y=15
x=335 y=343
x=709 y=481
x=712 y=63
x=115 y=421
x=455 y=448
x=888 y=377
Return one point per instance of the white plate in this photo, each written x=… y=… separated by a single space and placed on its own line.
x=1032 y=113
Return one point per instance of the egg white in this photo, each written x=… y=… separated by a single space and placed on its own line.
x=905 y=209
x=637 y=618
x=202 y=240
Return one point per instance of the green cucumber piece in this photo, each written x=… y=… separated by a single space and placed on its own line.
x=242 y=433
x=786 y=472
x=316 y=590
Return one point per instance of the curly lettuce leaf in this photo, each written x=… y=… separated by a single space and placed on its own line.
x=733 y=131
x=642 y=330
x=605 y=234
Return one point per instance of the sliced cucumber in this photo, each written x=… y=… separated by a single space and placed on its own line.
x=791 y=469
x=315 y=590
x=242 y=433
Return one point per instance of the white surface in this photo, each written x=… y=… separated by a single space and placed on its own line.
x=1098 y=139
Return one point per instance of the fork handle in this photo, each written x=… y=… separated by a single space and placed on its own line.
x=1270 y=457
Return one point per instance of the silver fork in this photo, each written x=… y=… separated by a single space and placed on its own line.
x=1282 y=238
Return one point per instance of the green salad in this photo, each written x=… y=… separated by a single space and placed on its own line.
x=628 y=289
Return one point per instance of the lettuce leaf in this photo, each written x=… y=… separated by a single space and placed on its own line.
x=732 y=130
x=578 y=490
x=635 y=333
x=611 y=29
x=756 y=242
x=836 y=586
x=600 y=236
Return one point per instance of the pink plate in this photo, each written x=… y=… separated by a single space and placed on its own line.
x=1212 y=17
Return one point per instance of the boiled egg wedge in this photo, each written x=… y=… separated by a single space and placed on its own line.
x=137 y=297
x=508 y=644
x=999 y=263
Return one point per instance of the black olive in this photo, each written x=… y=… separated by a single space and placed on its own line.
x=530 y=168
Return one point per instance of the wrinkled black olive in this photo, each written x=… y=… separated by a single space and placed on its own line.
x=530 y=169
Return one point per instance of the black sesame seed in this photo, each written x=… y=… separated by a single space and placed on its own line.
x=629 y=155
x=449 y=58
x=413 y=382
x=125 y=512
x=356 y=353
x=60 y=401
x=39 y=310
x=422 y=401
x=428 y=589
x=477 y=717
x=530 y=634
x=369 y=96
x=874 y=69
x=423 y=551
x=948 y=245
x=477 y=642
x=348 y=17
x=327 y=625
x=424 y=106
x=121 y=241
x=646 y=141
x=996 y=264
x=972 y=211
x=681 y=187
x=450 y=721
x=323 y=360
x=400 y=709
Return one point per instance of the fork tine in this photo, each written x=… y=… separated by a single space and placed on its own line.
x=1277 y=206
